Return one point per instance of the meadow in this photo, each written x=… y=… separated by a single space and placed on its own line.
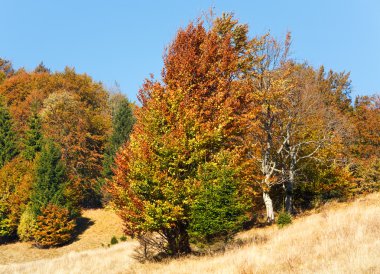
x=336 y=238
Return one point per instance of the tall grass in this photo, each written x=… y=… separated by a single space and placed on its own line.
x=344 y=240
x=337 y=239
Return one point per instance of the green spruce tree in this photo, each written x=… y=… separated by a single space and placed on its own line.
x=218 y=211
x=53 y=211
x=122 y=123
x=8 y=146
x=50 y=179
x=33 y=137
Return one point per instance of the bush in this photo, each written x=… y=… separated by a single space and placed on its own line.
x=27 y=226
x=54 y=227
x=114 y=240
x=123 y=238
x=284 y=218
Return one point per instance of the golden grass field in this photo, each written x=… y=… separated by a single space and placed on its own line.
x=99 y=224
x=337 y=238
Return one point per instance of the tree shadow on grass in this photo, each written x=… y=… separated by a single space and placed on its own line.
x=8 y=240
x=83 y=223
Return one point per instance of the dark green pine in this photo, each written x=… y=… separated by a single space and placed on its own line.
x=33 y=137
x=8 y=144
x=49 y=179
x=122 y=121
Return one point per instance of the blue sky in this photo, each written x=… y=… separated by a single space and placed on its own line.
x=124 y=41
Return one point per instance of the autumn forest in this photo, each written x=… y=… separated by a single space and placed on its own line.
x=234 y=134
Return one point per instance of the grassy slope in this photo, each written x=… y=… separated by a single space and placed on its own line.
x=98 y=227
x=339 y=238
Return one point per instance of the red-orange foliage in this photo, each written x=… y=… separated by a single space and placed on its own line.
x=182 y=124
x=367 y=123
x=75 y=115
x=365 y=145
x=16 y=179
x=53 y=227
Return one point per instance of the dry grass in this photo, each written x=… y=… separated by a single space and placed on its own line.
x=341 y=238
x=115 y=259
x=98 y=226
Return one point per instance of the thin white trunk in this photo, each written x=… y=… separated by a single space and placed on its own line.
x=290 y=183
x=269 y=207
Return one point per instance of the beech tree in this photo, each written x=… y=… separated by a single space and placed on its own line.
x=182 y=124
x=367 y=120
x=268 y=84
x=6 y=69
x=16 y=178
x=307 y=126
x=365 y=147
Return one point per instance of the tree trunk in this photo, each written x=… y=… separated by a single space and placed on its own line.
x=178 y=241
x=269 y=207
x=289 y=197
x=290 y=184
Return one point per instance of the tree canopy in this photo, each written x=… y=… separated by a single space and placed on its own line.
x=233 y=133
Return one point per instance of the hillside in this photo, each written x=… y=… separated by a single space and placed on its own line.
x=338 y=238
x=232 y=132
x=96 y=227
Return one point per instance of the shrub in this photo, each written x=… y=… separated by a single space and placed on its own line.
x=27 y=226
x=284 y=218
x=54 y=227
x=123 y=238
x=114 y=240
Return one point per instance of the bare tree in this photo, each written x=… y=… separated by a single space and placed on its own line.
x=269 y=85
x=309 y=124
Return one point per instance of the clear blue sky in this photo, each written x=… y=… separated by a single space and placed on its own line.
x=123 y=41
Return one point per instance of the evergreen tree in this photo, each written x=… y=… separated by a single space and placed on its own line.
x=41 y=68
x=33 y=137
x=52 y=208
x=122 y=121
x=50 y=179
x=8 y=148
x=219 y=209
